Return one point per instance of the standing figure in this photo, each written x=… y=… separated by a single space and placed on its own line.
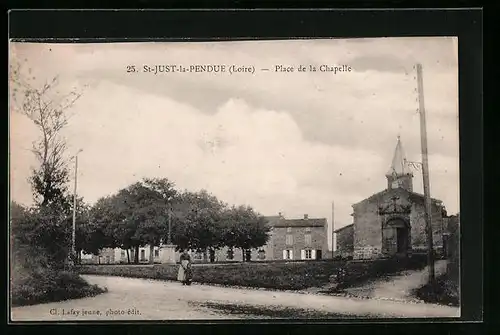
x=185 y=273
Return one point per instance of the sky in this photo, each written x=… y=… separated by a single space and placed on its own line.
x=289 y=142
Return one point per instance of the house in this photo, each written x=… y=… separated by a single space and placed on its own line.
x=392 y=222
x=345 y=241
x=289 y=239
x=119 y=256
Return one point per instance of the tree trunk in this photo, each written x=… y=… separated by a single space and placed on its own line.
x=248 y=254
x=136 y=255
x=151 y=253
x=212 y=255
x=128 y=256
x=243 y=258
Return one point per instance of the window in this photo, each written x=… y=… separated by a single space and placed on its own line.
x=289 y=230
x=157 y=253
x=308 y=229
x=308 y=254
x=308 y=239
x=108 y=259
x=289 y=239
x=287 y=254
x=123 y=253
x=230 y=254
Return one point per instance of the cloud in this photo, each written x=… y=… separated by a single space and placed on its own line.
x=279 y=142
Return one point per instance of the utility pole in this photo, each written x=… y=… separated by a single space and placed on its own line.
x=73 y=235
x=169 y=237
x=333 y=230
x=425 y=174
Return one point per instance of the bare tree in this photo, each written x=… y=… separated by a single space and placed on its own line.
x=46 y=107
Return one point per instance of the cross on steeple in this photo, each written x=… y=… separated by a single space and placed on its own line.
x=399 y=174
x=394 y=198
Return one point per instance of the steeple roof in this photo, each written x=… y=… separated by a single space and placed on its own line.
x=399 y=165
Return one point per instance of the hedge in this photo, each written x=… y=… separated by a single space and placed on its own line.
x=282 y=276
x=290 y=276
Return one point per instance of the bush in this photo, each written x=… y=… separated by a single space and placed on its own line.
x=357 y=272
x=445 y=292
x=46 y=285
x=277 y=275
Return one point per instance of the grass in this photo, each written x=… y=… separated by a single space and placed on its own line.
x=284 y=276
x=360 y=272
x=276 y=275
x=47 y=285
x=444 y=292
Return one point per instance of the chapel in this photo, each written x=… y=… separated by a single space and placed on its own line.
x=391 y=223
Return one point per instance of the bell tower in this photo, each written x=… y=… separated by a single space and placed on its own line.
x=399 y=174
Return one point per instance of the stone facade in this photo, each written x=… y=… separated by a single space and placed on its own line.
x=345 y=241
x=374 y=233
x=294 y=239
x=300 y=240
x=392 y=222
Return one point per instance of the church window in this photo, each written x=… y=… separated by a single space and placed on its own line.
x=289 y=239
x=289 y=230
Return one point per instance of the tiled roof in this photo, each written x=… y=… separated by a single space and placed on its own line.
x=272 y=220
x=277 y=221
x=412 y=194
x=342 y=228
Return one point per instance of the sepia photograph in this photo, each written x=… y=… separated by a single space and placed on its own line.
x=301 y=179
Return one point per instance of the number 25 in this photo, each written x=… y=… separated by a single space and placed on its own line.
x=130 y=68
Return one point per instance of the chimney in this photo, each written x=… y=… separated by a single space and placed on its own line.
x=306 y=216
x=279 y=214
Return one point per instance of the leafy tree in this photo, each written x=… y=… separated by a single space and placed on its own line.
x=245 y=229
x=46 y=107
x=153 y=224
x=135 y=216
x=107 y=227
x=200 y=224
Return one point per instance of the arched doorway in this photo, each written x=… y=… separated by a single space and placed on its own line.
x=396 y=237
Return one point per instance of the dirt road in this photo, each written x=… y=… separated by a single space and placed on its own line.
x=142 y=299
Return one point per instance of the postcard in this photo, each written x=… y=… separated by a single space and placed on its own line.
x=277 y=179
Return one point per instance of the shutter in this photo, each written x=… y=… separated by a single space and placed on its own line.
x=291 y=254
x=313 y=254
x=284 y=254
x=302 y=254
